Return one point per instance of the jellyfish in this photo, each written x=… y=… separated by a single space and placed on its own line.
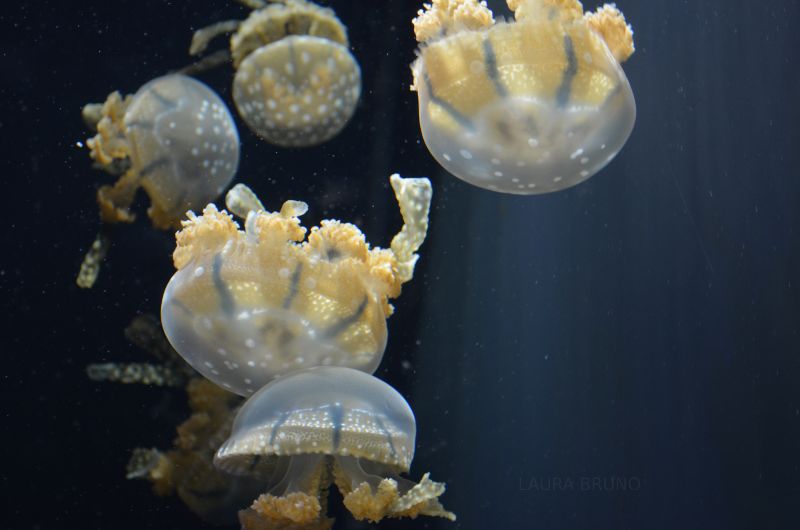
x=174 y=138
x=296 y=82
x=248 y=305
x=529 y=106
x=324 y=425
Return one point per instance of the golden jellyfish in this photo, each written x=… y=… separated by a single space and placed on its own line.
x=248 y=305
x=322 y=426
x=533 y=105
x=296 y=82
x=174 y=138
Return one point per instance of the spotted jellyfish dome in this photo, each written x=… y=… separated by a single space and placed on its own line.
x=535 y=105
x=184 y=143
x=325 y=410
x=297 y=91
x=247 y=306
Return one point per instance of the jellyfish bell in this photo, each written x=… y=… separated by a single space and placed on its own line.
x=298 y=91
x=296 y=82
x=246 y=306
x=531 y=106
x=322 y=411
x=326 y=425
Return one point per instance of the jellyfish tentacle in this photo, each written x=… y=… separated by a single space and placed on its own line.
x=414 y=197
x=209 y=62
x=610 y=23
x=93 y=260
x=240 y=201
x=138 y=373
x=203 y=36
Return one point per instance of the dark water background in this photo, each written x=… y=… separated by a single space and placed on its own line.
x=624 y=354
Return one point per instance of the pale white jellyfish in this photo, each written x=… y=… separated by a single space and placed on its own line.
x=325 y=425
x=174 y=138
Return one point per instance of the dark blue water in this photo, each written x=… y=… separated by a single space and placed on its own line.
x=623 y=354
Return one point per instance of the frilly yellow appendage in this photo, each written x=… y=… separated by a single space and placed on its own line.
x=110 y=143
x=305 y=509
x=280 y=19
x=207 y=233
x=414 y=198
x=338 y=247
x=154 y=466
x=609 y=23
x=111 y=151
x=298 y=507
x=442 y=17
x=387 y=501
x=565 y=10
x=343 y=239
x=296 y=510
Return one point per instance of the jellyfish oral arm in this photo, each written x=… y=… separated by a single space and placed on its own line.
x=414 y=198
